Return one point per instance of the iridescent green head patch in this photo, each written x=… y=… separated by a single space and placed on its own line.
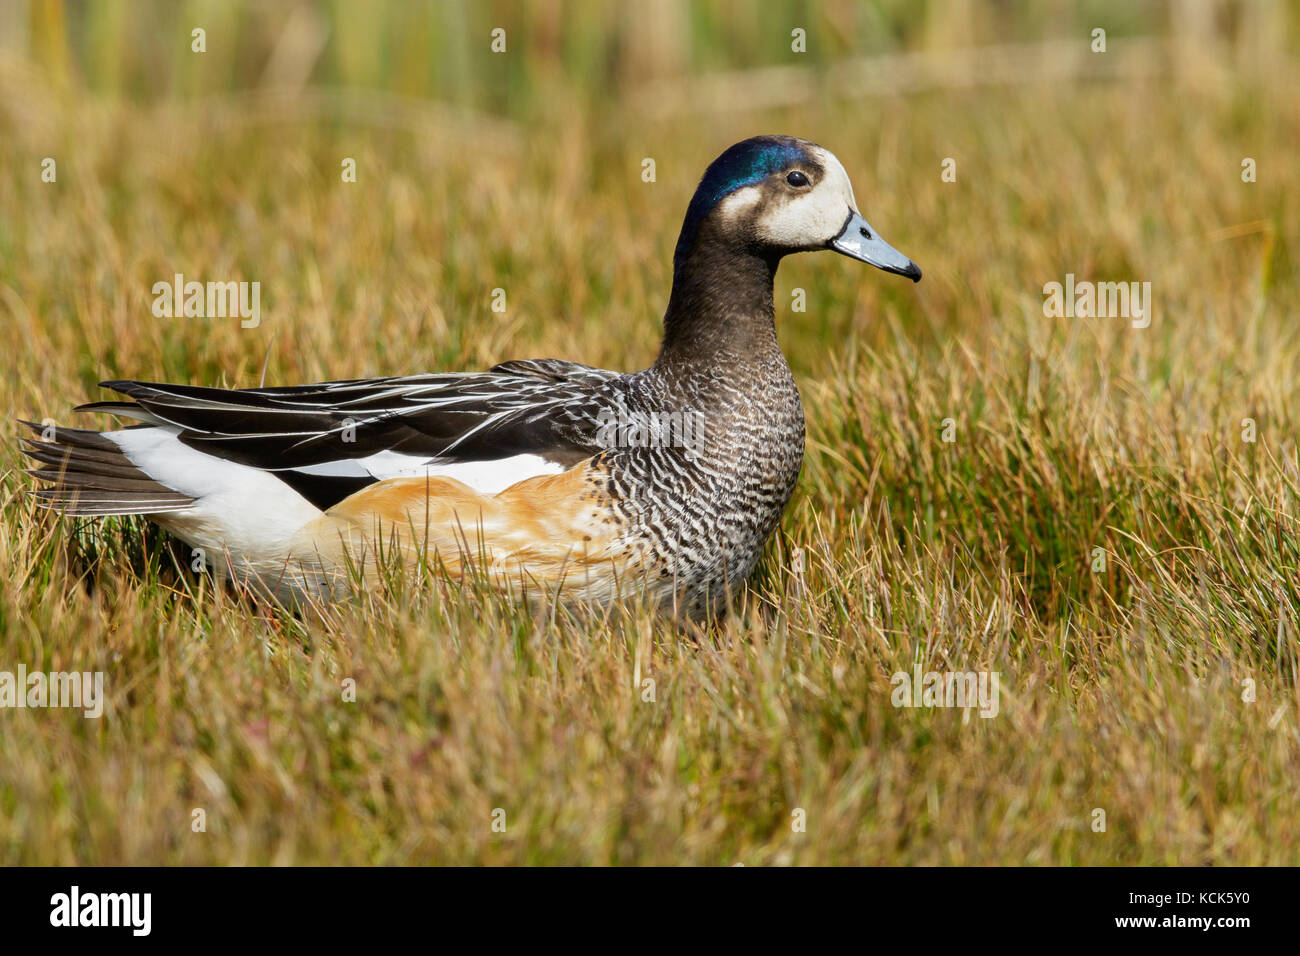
x=744 y=164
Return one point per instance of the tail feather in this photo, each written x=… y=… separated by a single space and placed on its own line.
x=90 y=503
x=76 y=437
x=122 y=410
x=86 y=473
x=89 y=460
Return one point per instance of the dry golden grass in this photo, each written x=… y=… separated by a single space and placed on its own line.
x=1121 y=690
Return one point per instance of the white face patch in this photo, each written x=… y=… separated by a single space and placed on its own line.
x=812 y=217
x=739 y=204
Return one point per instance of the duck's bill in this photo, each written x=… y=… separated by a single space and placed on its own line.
x=858 y=240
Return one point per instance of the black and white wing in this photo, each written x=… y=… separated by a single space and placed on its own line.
x=329 y=440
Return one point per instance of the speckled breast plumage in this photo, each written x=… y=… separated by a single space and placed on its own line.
x=700 y=517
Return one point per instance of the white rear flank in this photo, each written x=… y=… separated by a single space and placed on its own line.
x=237 y=509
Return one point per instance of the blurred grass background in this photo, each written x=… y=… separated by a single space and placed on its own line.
x=522 y=170
x=598 y=52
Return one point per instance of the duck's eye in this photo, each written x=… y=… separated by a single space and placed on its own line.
x=797 y=179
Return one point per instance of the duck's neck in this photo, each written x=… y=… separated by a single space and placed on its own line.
x=721 y=307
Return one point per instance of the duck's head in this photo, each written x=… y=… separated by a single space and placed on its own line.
x=774 y=195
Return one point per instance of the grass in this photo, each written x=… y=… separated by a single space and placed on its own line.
x=1122 y=688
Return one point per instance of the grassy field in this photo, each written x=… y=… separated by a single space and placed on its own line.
x=1104 y=530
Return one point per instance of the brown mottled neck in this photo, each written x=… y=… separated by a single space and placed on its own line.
x=721 y=306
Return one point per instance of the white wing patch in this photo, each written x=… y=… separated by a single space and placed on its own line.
x=485 y=477
x=491 y=477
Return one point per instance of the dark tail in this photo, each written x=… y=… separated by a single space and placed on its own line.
x=86 y=474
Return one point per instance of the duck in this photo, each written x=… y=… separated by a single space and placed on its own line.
x=556 y=480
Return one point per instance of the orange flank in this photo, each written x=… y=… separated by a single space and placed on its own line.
x=550 y=533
